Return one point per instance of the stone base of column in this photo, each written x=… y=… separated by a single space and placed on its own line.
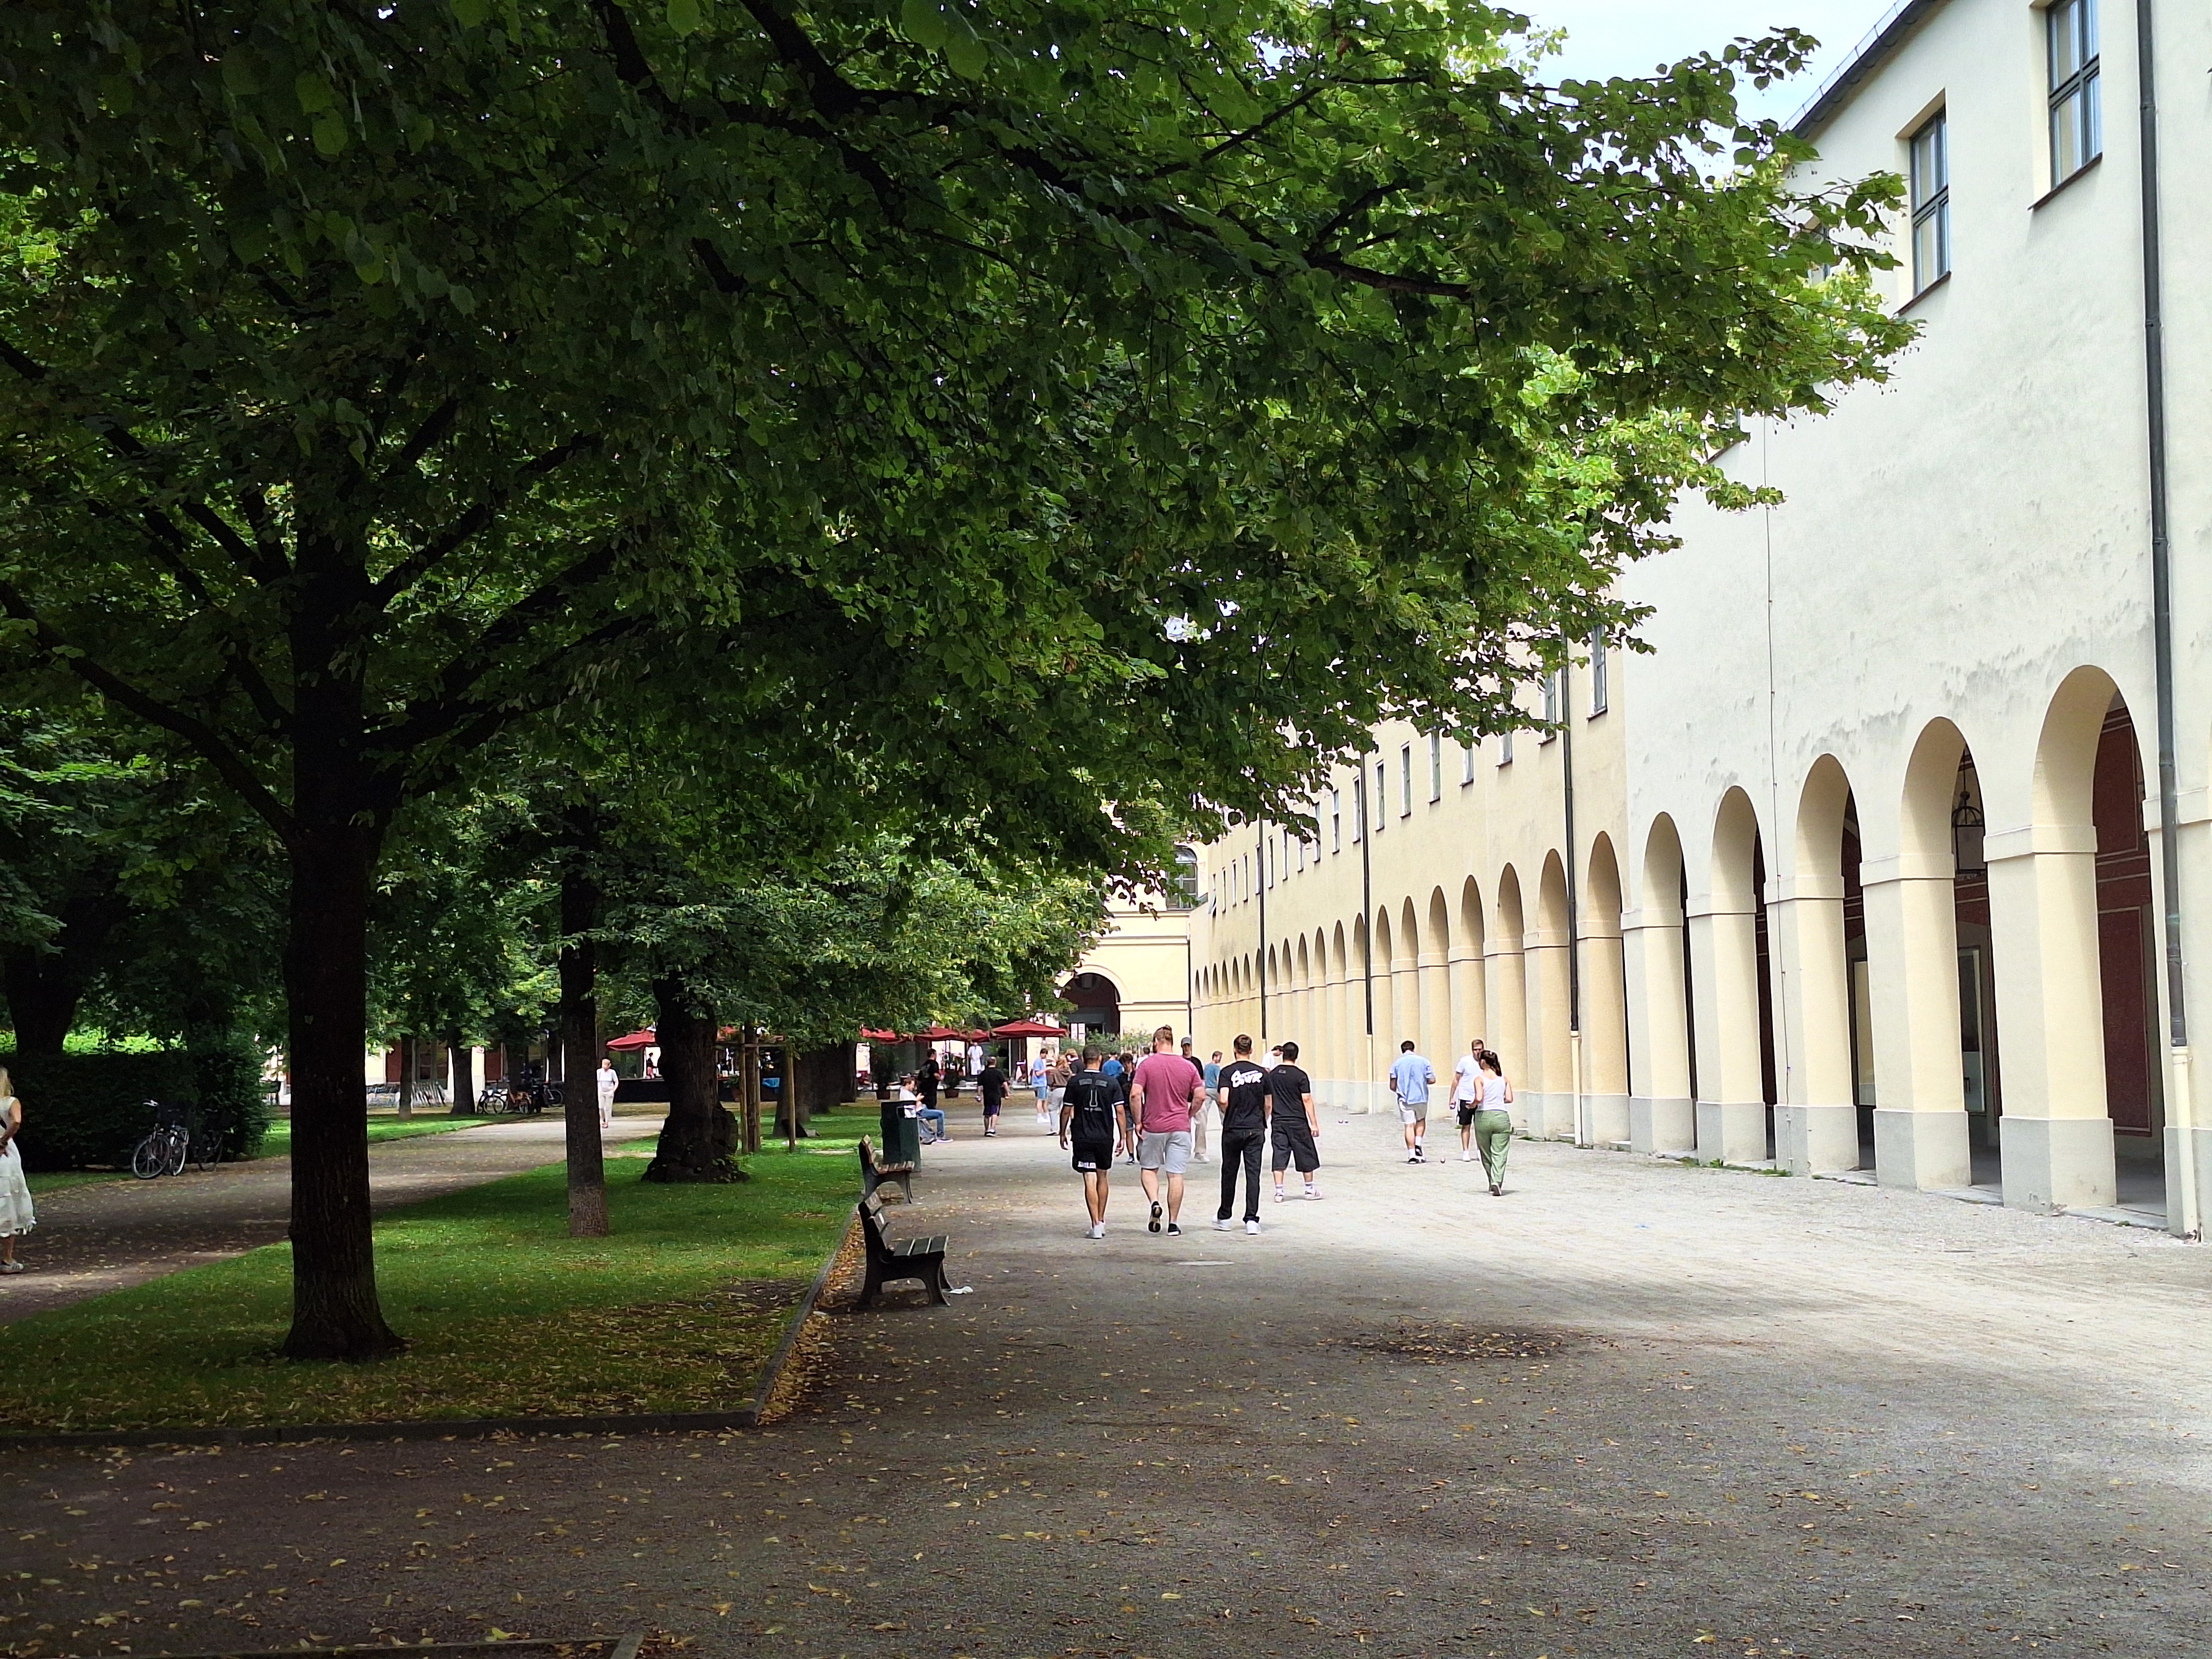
x=1732 y=1131
x=1529 y=1112
x=1814 y=1140
x=2057 y=1163
x=1921 y=1150
x=2199 y=1145
x=1661 y=1123
x=1608 y=1119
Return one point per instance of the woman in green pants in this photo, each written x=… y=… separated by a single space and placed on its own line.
x=1493 y=1124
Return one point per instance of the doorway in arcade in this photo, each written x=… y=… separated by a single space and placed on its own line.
x=1094 y=1003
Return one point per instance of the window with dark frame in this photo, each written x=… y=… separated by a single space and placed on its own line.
x=1359 y=805
x=1467 y=762
x=2077 y=135
x=1597 y=690
x=1931 y=203
x=1436 y=766
x=1405 y=780
x=1336 y=820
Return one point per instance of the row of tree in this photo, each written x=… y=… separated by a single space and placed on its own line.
x=835 y=452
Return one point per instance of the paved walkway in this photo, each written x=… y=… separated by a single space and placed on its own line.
x=108 y=1234
x=1631 y=1409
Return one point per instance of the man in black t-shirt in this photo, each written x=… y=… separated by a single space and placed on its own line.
x=1296 y=1122
x=991 y=1083
x=1245 y=1100
x=1090 y=1117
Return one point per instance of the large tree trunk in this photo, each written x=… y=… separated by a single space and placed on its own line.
x=700 y=1139
x=335 y=1312
x=42 y=999
x=465 y=1075
x=580 y=1042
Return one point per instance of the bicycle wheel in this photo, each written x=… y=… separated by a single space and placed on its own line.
x=206 y=1150
x=146 y=1158
x=173 y=1155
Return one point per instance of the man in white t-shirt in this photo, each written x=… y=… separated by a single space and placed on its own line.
x=1467 y=1094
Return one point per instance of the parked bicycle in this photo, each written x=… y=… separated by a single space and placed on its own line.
x=167 y=1146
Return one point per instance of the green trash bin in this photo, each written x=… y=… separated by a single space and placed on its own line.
x=901 y=1135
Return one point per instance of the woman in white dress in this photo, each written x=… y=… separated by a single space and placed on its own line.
x=16 y=1215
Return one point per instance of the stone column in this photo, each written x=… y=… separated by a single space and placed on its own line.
x=1816 y=1125
x=1661 y=1117
x=1724 y=979
x=1509 y=1012
x=1912 y=969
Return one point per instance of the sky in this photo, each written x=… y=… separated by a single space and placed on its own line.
x=1629 y=37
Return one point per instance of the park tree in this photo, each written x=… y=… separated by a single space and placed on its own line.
x=1170 y=389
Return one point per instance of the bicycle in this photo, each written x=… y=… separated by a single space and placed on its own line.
x=206 y=1138
x=165 y=1146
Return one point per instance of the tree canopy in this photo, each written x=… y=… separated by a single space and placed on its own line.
x=1081 y=403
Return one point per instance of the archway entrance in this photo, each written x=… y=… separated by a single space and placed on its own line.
x=2127 y=969
x=1094 y=1003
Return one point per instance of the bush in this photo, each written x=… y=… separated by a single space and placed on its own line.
x=80 y=1109
x=226 y=1080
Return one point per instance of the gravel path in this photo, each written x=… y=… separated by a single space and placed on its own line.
x=1631 y=1409
x=108 y=1234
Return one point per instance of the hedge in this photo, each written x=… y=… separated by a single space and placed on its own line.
x=90 y=1109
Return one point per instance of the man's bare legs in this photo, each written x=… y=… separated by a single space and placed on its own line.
x=1094 y=1195
x=1151 y=1182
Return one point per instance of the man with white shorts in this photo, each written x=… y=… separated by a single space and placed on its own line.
x=1411 y=1079
x=1161 y=1096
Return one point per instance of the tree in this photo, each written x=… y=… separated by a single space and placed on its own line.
x=998 y=389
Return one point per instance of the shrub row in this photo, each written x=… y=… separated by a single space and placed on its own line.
x=81 y=1110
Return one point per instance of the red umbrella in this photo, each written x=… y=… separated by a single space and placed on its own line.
x=644 y=1039
x=942 y=1034
x=1027 y=1028
x=866 y=1035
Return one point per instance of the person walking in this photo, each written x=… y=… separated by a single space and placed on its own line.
x=1246 y=1102
x=1122 y=1068
x=17 y=1216
x=1467 y=1094
x=1198 y=1112
x=1493 y=1124
x=1411 y=1079
x=991 y=1084
x=1294 y=1121
x=1090 y=1117
x=927 y=1079
x=1161 y=1096
x=608 y=1082
x=1040 y=1076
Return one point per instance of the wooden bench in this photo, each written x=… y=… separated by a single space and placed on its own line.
x=919 y=1259
x=874 y=1172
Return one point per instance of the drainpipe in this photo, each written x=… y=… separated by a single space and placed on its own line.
x=1260 y=956
x=1366 y=921
x=2179 y=1107
x=1583 y=1136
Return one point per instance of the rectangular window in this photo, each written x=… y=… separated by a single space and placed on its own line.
x=1405 y=780
x=1467 y=762
x=1436 y=766
x=1931 y=203
x=1268 y=862
x=1597 y=696
x=1336 y=820
x=1358 y=805
x=1551 y=704
x=2077 y=135
x=1505 y=749
x=1381 y=794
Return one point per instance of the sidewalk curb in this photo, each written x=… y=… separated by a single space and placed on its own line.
x=466 y=1428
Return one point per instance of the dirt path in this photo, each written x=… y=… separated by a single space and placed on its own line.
x=105 y=1235
x=1629 y=1410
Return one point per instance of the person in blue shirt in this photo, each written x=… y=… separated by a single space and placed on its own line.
x=1411 y=1079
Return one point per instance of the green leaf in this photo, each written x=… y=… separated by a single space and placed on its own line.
x=686 y=16
x=923 y=23
x=330 y=133
x=965 y=52
x=471 y=14
x=314 y=93
x=238 y=73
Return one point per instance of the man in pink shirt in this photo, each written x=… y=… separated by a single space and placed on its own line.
x=1161 y=1096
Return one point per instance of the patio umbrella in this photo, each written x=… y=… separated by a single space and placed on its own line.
x=644 y=1039
x=1027 y=1028
x=942 y=1034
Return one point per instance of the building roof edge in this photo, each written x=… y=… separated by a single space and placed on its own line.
x=1870 y=53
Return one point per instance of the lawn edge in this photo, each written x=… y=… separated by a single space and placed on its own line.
x=468 y=1428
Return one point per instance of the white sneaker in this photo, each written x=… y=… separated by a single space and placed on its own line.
x=1221 y=1224
x=1466 y=1157
x=1252 y=1226
x=1312 y=1191
x=1278 y=1194
x=1097 y=1229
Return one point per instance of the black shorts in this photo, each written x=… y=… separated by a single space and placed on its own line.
x=1467 y=1108
x=1296 y=1145
x=1091 y=1155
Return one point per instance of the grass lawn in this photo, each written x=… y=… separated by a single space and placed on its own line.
x=54 y=1180
x=504 y=1314
x=276 y=1139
